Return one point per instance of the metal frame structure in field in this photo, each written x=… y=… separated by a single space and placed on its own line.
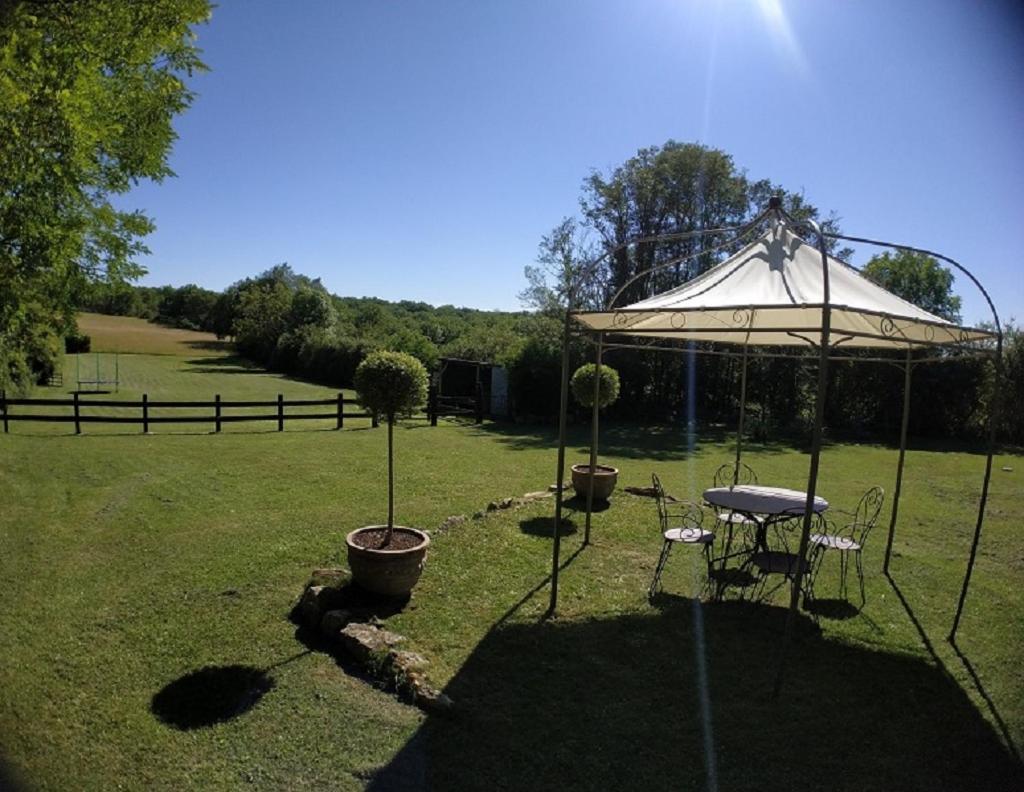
x=99 y=381
x=792 y=320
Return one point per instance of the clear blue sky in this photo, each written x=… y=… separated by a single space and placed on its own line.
x=419 y=150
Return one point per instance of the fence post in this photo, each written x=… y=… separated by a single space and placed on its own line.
x=432 y=405
x=341 y=410
x=216 y=409
x=280 y=412
x=145 y=413
x=78 y=426
x=3 y=406
x=479 y=403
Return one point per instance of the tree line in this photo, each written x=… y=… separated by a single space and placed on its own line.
x=90 y=93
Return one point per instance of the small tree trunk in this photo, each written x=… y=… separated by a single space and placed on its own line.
x=391 y=481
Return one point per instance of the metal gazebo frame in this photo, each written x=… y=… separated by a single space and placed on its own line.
x=826 y=353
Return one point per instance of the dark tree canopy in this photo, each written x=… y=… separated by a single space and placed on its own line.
x=671 y=189
x=917 y=278
x=89 y=92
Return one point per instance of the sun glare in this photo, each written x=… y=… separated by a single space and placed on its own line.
x=782 y=32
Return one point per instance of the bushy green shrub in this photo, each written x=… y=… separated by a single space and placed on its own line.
x=582 y=384
x=77 y=343
x=391 y=383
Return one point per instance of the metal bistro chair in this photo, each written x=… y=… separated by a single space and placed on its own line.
x=681 y=523
x=780 y=559
x=849 y=538
x=729 y=520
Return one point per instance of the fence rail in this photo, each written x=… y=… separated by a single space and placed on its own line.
x=443 y=405
x=217 y=417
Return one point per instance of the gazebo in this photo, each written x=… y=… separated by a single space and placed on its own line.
x=781 y=296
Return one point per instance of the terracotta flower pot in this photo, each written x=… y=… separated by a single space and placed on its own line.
x=604 y=479
x=387 y=572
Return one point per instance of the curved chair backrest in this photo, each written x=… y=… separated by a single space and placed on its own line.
x=659 y=497
x=725 y=475
x=685 y=513
x=866 y=515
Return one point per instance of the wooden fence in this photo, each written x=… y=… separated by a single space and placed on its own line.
x=440 y=405
x=216 y=416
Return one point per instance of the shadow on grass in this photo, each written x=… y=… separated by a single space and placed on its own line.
x=578 y=503
x=211 y=346
x=214 y=694
x=838 y=609
x=545 y=526
x=625 y=440
x=224 y=364
x=614 y=703
x=210 y=695
x=989 y=702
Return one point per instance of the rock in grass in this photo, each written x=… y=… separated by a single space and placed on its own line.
x=364 y=642
x=310 y=606
x=453 y=521
x=429 y=699
x=333 y=621
x=406 y=664
x=315 y=602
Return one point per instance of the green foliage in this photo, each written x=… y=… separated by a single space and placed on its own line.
x=311 y=308
x=1011 y=426
x=262 y=318
x=391 y=383
x=582 y=384
x=918 y=279
x=89 y=93
x=77 y=343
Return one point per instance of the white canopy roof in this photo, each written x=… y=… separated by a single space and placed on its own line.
x=771 y=293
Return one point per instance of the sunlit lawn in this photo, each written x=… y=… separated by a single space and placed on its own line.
x=131 y=561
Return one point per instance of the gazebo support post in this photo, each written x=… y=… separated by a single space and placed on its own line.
x=743 y=409
x=993 y=425
x=812 y=476
x=593 y=435
x=560 y=475
x=899 y=467
x=993 y=415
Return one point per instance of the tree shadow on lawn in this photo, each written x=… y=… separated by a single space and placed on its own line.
x=210 y=695
x=545 y=526
x=224 y=364
x=629 y=441
x=211 y=346
x=614 y=703
x=213 y=694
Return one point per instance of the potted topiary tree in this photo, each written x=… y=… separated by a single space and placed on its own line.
x=388 y=559
x=603 y=477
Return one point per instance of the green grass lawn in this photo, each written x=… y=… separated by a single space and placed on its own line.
x=129 y=562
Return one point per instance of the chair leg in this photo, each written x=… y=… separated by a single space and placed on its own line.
x=843 y=565
x=709 y=562
x=665 y=550
x=727 y=529
x=860 y=574
x=813 y=567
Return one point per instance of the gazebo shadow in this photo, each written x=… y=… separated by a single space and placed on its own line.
x=616 y=703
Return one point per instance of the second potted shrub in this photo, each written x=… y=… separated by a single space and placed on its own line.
x=604 y=477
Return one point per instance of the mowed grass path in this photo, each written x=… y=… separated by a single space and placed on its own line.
x=129 y=562
x=182 y=365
